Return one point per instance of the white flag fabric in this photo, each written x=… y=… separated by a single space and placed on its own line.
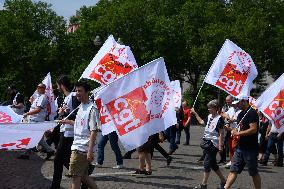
x=140 y=103
x=107 y=124
x=110 y=63
x=22 y=135
x=271 y=103
x=175 y=85
x=233 y=71
x=50 y=96
x=7 y=115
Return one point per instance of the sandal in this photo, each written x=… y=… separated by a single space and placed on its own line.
x=148 y=172
x=139 y=172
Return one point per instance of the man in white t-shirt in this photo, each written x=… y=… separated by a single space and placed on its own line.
x=86 y=126
x=231 y=123
x=38 y=113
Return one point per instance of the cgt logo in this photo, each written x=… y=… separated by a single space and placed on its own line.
x=19 y=144
x=275 y=110
x=5 y=118
x=235 y=72
x=129 y=111
x=109 y=69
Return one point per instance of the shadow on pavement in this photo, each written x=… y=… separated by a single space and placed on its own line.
x=24 y=174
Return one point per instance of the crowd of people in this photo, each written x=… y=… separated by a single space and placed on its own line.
x=235 y=130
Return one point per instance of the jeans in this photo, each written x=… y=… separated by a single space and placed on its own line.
x=113 y=139
x=187 y=134
x=271 y=141
x=171 y=137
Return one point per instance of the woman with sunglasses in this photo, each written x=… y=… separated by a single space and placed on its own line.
x=211 y=142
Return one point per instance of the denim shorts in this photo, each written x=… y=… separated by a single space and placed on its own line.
x=245 y=157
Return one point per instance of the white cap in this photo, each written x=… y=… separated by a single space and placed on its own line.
x=235 y=101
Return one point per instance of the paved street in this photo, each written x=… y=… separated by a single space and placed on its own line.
x=183 y=173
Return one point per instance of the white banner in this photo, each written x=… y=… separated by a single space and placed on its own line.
x=175 y=85
x=233 y=71
x=271 y=103
x=7 y=115
x=110 y=63
x=22 y=135
x=142 y=107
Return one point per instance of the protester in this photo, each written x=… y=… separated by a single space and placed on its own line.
x=38 y=113
x=155 y=140
x=231 y=123
x=274 y=137
x=226 y=110
x=66 y=131
x=186 y=124
x=247 y=149
x=113 y=139
x=263 y=139
x=144 y=153
x=212 y=140
x=18 y=104
x=171 y=131
x=85 y=129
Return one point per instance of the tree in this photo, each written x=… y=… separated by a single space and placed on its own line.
x=32 y=40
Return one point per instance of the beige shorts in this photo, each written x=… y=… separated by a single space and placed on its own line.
x=78 y=164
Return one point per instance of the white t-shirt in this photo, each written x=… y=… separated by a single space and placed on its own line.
x=233 y=114
x=41 y=102
x=67 y=105
x=87 y=120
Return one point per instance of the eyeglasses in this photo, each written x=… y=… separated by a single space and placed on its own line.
x=40 y=86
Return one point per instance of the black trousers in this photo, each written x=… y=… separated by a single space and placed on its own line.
x=62 y=158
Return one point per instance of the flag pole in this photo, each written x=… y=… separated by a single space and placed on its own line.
x=208 y=73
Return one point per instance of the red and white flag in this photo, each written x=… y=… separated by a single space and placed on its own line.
x=142 y=107
x=271 y=103
x=51 y=108
x=110 y=63
x=175 y=85
x=7 y=115
x=233 y=71
x=22 y=135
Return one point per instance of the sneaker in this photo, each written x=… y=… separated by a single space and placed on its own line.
x=98 y=165
x=278 y=164
x=201 y=186
x=221 y=186
x=228 y=165
x=200 y=160
x=126 y=156
x=186 y=144
x=171 y=152
x=169 y=160
x=49 y=154
x=264 y=163
x=24 y=156
x=91 y=168
x=118 y=167
x=177 y=142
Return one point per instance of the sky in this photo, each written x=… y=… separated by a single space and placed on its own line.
x=65 y=8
